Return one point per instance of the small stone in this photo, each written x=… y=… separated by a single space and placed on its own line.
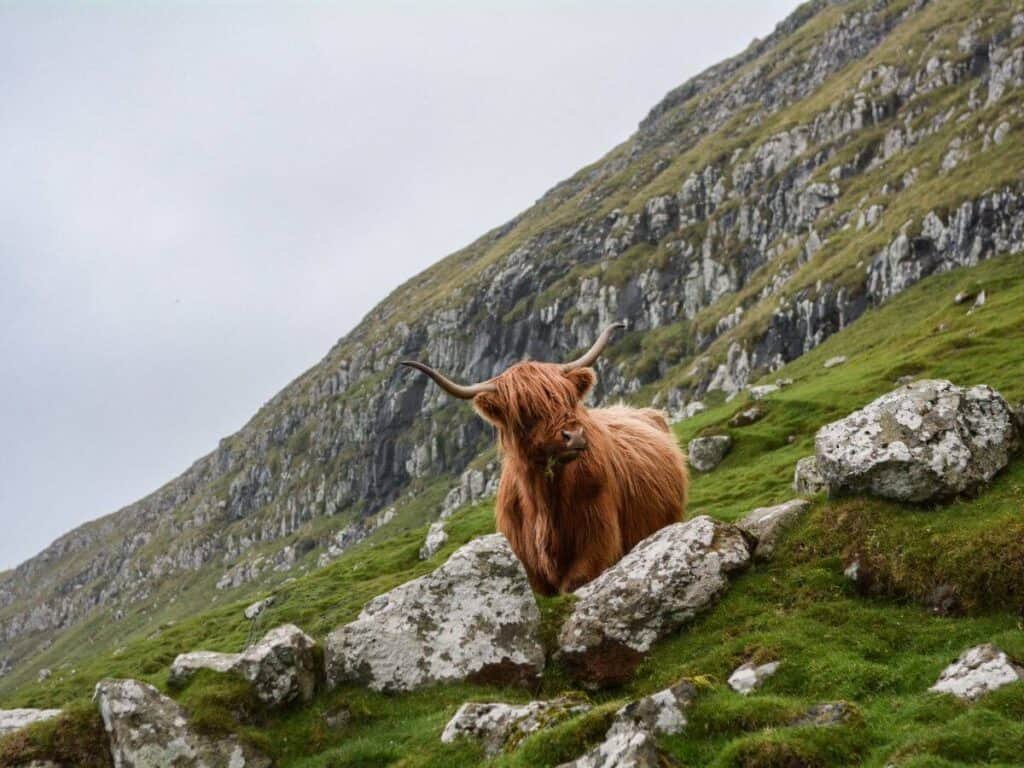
x=337 y=719
x=828 y=714
x=436 y=538
x=706 y=453
x=662 y=713
x=496 y=724
x=978 y=671
x=44 y=675
x=762 y=391
x=768 y=524
x=963 y=296
x=999 y=136
x=832 y=362
x=747 y=417
x=258 y=607
x=749 y=676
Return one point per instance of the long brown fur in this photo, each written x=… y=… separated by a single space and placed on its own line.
x=568 y=522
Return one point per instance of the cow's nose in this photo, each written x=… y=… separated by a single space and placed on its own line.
x=574 y=439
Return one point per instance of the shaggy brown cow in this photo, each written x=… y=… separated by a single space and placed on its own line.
x=579 y=488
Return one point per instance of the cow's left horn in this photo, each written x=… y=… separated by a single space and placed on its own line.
x=460 y=391
x=591 y=355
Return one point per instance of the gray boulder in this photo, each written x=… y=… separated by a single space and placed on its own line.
x=474 y=618
x=768 y=524
x=747 y=416
x=281 y=666
x=807 y=479
x=436 y=538
x=15 y=719
x=747 y=677
x=257 y=608
x=149 y=730
x=661 y=713
x=706 y=453
x=929 y=439
x=665 y=581
x=978 y=671
x=497 y=725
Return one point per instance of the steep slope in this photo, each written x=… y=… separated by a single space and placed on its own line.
x=876 y=648
x=759 y=208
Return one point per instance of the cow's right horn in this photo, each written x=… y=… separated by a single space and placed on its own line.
x=460 y=391
x=591 y=355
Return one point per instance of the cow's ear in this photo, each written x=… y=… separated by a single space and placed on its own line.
x=583 y=379
x=489 y=406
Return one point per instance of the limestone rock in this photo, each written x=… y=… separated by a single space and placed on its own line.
x=665 y=581
x=806 y=477
x=929 y=439
x=281 y=666
x=474 y=618
x=832 y=362
x=706 y=453
x=978 y=671
x=150 y=730
x=254 y=610
x=762 y=391
x=16 y=719
x=749 y=676
x=495 y=724
x=767 y=524
x=436 y=538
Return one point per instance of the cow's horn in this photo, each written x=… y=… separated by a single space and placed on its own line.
x=455 y=390
x=591 y=355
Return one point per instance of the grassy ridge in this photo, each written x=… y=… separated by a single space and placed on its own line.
x=878 y=652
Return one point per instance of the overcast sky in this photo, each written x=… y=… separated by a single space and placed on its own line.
x=197 y=201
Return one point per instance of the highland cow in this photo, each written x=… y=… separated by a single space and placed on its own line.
x=579 y=487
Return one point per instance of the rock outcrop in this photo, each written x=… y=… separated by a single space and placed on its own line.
x=474 y=618
x=497 y=725
x=978 y=671
x=706 y=453
x=664 y=582
x=282 y=666
x=926 y=440
x=148 y=730
x=436 y=538
x=768 y=524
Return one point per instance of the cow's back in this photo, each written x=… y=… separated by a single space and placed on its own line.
x=649 y=468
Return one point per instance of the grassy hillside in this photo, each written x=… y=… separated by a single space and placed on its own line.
x=878 y=651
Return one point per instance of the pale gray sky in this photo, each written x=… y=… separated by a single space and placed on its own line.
x=197 y=201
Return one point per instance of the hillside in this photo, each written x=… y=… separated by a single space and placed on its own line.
x=773 y=211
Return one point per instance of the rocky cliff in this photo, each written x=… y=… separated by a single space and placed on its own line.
x=760 y=207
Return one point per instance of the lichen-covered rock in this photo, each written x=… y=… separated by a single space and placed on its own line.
x=768 y=524
x=16 y=719
x=497 y=725
x=978 y=671
x=929 y=439
x=806 y=477
x=746 y=677
x=665 y=581
x=436 y=538
x=661 y=713
x=625 y=747
x=706 y=453
x=281 y=666
x=474 y=618
x=149 y=730
x=828 y=714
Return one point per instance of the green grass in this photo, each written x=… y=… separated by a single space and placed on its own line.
x=879 y=651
